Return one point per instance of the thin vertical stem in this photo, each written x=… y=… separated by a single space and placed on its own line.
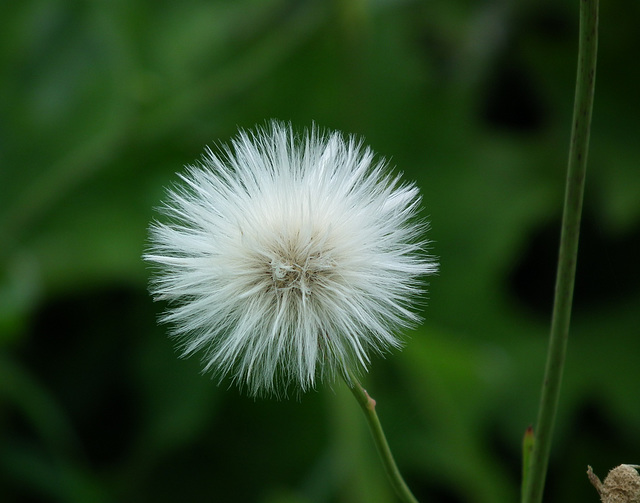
x=368 y=406
x=583 y=106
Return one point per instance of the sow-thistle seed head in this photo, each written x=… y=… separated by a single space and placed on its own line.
x=288 y=258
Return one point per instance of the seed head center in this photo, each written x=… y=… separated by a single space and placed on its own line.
x=288 y=273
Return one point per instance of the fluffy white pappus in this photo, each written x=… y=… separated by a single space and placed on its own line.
x=288 y=258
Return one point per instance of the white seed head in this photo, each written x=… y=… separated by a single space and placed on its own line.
x=286 y=258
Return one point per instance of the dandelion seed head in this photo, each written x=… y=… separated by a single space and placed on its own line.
x=288 y=258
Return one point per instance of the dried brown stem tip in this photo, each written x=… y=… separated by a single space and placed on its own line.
x=622 y=484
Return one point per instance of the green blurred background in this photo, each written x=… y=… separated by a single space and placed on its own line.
x=101 y=102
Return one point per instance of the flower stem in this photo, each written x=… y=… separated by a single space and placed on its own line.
x=583 y=106
x=368 y=406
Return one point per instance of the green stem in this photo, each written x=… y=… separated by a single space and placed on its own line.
x=583 y=106
x=368 y=405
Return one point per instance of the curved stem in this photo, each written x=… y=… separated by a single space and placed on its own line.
x=368 y=406
x=583 y=106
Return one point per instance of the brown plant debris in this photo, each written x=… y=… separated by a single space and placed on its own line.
x=622 y=484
